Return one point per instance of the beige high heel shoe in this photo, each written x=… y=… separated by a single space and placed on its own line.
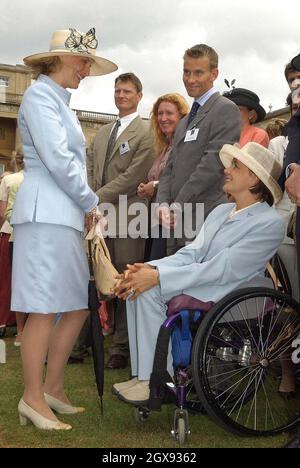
x=61 y=407
x=28 y=414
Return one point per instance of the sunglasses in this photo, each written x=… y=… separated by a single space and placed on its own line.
x=296 y=62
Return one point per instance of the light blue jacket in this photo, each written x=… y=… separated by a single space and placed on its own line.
x=226 y=253
x=55 y=188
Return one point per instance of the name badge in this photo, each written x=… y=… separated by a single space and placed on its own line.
x=124 y=148
x=191 y=135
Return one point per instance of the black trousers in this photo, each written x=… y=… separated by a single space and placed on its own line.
x=298 y=258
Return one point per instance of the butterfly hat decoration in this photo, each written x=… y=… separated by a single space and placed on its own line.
x=73 y=42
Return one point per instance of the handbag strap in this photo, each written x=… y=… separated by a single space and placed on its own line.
x=102 y=242
x=90 y=261
x=273 y=276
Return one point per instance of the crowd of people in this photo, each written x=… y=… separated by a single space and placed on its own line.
x=209 y=167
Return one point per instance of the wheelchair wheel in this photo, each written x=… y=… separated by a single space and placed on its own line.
x=181 y=426
x=239 y=352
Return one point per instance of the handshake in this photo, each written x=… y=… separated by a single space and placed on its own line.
x=136 y=279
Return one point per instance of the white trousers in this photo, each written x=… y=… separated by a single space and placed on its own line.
x=145 y=316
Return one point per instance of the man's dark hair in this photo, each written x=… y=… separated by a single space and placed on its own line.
x=131 y=77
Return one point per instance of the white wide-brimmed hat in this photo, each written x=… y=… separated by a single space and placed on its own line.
x=72 y=42
x=259 y=160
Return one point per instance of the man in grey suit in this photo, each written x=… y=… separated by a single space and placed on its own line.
x=194 y=173
x=117 y=162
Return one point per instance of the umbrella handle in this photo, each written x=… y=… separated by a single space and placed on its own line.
x=90 y=260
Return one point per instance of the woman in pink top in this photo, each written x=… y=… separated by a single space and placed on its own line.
x=251 y=112
x=165 y=116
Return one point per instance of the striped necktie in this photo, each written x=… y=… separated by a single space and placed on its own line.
x=112 y=139
x=193 y=112
x=110 y=146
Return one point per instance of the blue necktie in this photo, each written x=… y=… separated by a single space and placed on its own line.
x=193 y=112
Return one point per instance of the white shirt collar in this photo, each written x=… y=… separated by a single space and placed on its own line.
x=125 y=121
x=234 y=211
x=205 y=97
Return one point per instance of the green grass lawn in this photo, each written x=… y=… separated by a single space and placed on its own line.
x=117 y=428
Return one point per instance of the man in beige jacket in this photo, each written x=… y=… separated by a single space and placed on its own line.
x=118 y=161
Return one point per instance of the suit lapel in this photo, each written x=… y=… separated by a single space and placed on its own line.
x=210 y=231
x=181 y=129
x=213 y=227
x=203 y=110
x=251 y=211
x=101 y=151
x=126 y=135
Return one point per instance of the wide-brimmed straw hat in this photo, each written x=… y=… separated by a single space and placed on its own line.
x=259 y=160
x=73 y=42
x=246 y=98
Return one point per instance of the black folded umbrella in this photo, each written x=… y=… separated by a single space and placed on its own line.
x=96 y=331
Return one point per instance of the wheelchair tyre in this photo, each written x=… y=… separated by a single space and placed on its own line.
x=181 y=431
x=181 y=426
x=237 y=361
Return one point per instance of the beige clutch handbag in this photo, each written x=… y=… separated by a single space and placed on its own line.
x=104 y=271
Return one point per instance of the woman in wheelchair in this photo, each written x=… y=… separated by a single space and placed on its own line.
x=234 y=245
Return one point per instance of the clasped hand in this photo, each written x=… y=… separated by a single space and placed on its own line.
x=146 y=190
x=93 y=217
x=136 y=279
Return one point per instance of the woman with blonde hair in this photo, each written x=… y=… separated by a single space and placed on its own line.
x=276 y=128
x=50 y=271
x=167 y=111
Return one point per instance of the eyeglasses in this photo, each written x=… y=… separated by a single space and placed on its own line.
x=296 y=62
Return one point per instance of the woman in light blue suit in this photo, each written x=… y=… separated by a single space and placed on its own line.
x=50 y=271
x=233 y=247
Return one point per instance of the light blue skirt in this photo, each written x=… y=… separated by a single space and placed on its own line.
x=50 y=270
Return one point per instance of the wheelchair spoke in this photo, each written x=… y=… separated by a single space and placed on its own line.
x=268 y=407
x=241 y=334
x=222 y=341
x=273 y=325
x=287 y=341
x=245 y=394
x=260 y=319
x=229 y=374
x=247 y=324
x=235 y=385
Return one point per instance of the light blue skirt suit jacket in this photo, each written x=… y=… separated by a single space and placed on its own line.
x=226 y=253
x=50 y=271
